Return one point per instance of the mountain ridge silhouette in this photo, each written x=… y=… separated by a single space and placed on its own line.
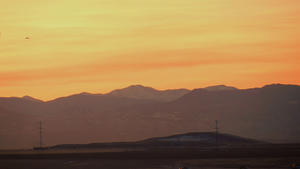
x=267 y=113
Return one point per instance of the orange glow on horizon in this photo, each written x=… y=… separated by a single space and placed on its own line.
x=97 y=46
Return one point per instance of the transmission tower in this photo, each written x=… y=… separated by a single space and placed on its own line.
x=41 y=135
x=217 y=133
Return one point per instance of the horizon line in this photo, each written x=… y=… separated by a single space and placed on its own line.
x=145 y=86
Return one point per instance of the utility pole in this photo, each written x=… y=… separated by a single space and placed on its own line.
x=41 y=136
x=217 y=132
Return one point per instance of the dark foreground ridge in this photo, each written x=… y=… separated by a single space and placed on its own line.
x=187 y=140
x=182 y=146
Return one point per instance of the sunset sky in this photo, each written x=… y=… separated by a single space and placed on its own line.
x=99 y=45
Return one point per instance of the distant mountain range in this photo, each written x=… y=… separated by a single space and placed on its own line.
x=270 y=113
x=148 y=93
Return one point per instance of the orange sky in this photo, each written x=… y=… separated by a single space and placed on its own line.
x=99 y=45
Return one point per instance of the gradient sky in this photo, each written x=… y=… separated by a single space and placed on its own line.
x=99 y=45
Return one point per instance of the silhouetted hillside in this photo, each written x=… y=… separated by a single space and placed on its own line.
x=220 y=88
x=31 y=99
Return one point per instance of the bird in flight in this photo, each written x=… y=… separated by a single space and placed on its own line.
x=27 y=38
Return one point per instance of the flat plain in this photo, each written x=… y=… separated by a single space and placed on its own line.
x=272 y=157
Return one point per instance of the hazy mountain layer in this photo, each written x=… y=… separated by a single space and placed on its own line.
x=270 y=113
